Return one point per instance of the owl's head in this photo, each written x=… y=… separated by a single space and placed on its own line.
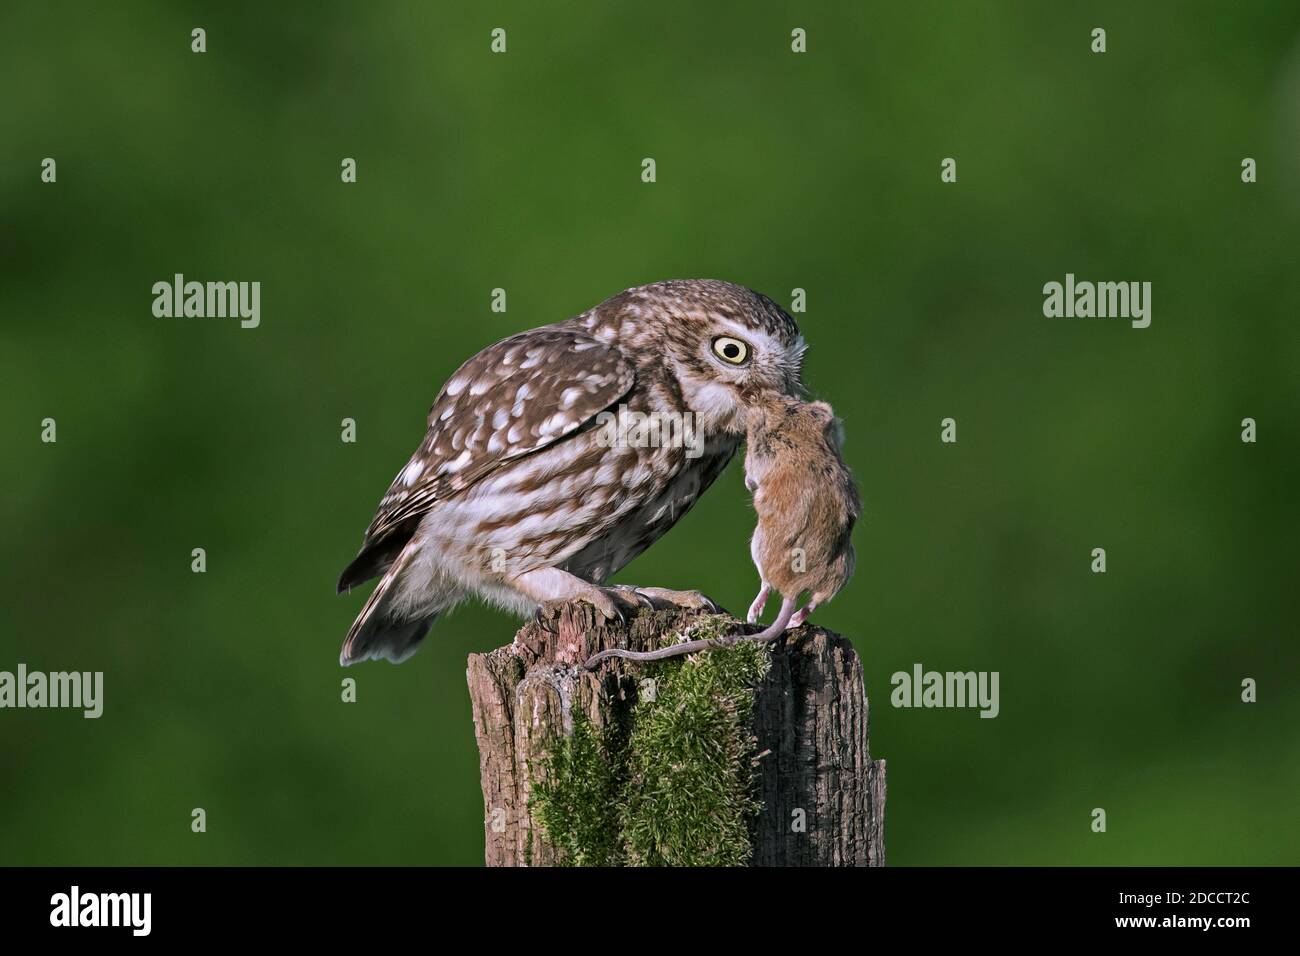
x=729 y=348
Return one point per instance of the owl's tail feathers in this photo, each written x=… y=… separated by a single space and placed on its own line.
x=362 y=569
x=380 y=632
x=376 y=557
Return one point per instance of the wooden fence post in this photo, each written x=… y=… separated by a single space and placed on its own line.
x=823 y=796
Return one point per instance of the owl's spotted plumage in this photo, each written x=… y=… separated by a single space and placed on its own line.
x=517 y=495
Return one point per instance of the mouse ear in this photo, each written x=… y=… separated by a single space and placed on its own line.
x=832 y=427
x=835 y=432
x=821 y=412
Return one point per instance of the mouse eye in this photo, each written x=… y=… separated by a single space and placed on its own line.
x=732 y=351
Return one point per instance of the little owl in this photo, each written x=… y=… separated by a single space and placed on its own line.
x=516 y=494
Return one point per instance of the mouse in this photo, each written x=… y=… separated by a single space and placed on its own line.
x=806 y=504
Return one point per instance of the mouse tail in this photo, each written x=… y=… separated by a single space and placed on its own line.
x=773 y=631
x=777 y=627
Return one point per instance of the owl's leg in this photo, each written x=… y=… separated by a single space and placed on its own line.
x=668 y=598
x=553 y=586
x=760 y=602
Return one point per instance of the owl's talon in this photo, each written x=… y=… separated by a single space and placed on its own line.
x=542 y=620
x=635 y=595
x=552 y=589
x=613 y=603
x=686 y=600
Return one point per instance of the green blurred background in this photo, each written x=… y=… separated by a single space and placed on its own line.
x=775 y=170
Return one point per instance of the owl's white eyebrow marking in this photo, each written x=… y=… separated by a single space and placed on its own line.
x=743 y=331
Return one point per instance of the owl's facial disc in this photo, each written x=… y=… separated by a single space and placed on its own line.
x=729 y=368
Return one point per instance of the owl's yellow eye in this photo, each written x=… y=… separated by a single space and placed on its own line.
x=731 y=350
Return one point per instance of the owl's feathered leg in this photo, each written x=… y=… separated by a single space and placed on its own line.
x=554 y=586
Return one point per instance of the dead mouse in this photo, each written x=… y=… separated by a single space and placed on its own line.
x=806 y=503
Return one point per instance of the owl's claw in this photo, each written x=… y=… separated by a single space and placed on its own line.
x=661 y=598
x=613 y=603
x=621 y=602
x=635 y=594
x=541 y=619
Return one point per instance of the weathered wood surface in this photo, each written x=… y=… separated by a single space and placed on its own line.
x=823 y=796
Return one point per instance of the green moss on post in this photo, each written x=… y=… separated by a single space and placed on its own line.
x=577 y=800
x=676 y=787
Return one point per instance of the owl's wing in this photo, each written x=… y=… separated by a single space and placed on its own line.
x=513 y=398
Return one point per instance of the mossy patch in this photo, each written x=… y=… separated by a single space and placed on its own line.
x=577 y=803
x=673 y=784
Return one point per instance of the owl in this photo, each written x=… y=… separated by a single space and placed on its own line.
x=556 y=456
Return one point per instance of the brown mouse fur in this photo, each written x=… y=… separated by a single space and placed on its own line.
x=806 y=502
